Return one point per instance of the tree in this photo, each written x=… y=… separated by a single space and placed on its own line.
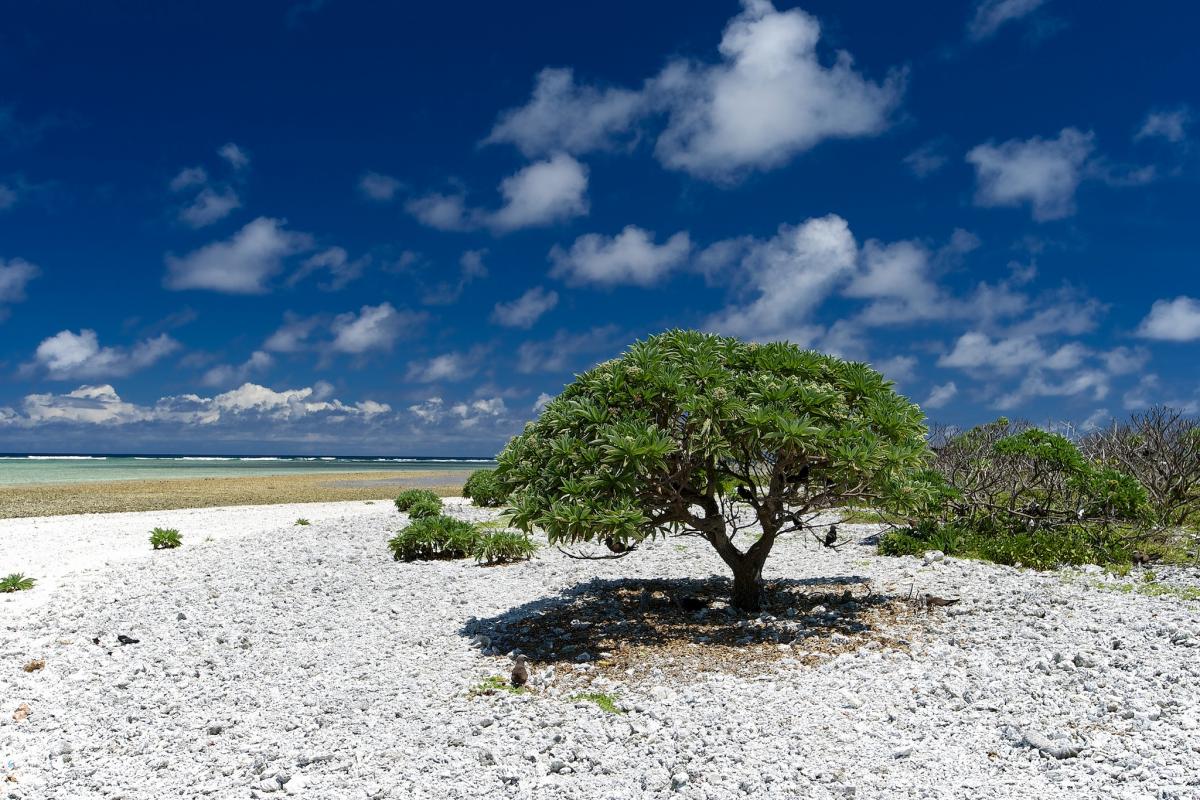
x=695 y=434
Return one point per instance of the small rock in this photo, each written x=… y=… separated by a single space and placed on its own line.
x=679 y=779
x=933 y=556
x=22 y=712
x=297 y=784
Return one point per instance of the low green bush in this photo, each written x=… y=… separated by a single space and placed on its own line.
x=483 y=488
x=504 y=547
x=1039 y=549
x=405 y=500
x=16 y=582
x=425 y=507
x=302 y=521
x=434 y=537
x=165 y=539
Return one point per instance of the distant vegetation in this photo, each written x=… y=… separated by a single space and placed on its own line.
x=165 y=539
x=442 y=537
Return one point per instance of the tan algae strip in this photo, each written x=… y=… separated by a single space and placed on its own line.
x=158 y=495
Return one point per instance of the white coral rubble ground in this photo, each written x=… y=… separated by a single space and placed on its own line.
x=291 y=660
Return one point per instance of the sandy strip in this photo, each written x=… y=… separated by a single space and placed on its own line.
x=58 y=549
x=151 y=495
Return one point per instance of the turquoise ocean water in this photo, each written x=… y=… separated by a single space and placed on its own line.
x=20 y=469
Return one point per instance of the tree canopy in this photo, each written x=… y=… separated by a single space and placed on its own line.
x=692 y=433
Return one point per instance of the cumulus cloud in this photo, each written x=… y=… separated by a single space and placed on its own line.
x=467 y=414
x=542 y=401
x=293 y=335
x=539 y=194
x=975 y=350
x=337 y=263
x=210 y=206
x=1175 y=320
x=242 y=264
x=526 y=309
x=630 y=257
x=1041 y=172
x=941 y=395
x=236 y=156
x=372 y=328
x=471 y=267
x=189 y=177
x=379 y=187
x=15 y=275
x=790 y=275
x=101 y=405
x=1170 y=125
x=227 y=374
x=68 y=356
x=769 y=98
x=926 y=159
x=564 y=116
x=991 y=15
x=446 y=367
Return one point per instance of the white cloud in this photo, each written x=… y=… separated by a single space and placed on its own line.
x=975 y=350
x=446 y=367
x=379 y=187
x=189 y=177
x=562 y=116
x=1097 y=419
x=1036 y=384
x=926 y=159
x=566 y=350
x=542 y=193
x=526 y=309
x=373 y=328
x=896 y=368
x=768 y=99
x=434 y=410
x=241 y=264
x=443 y=212
x=990 y=15
x=1175 y=320
x=94 y=405
x=630 y=257
x=337 y=262
x=226 y=374
x=1170 y=125
x=471 y=268
x=1041 y=172
x=236 y=156
x=542 y=401
x=8 y=197
x=15 y=275
x=210 y=206
x=790 y=275
x=293 y=335
x=67 y=355
x=941 y=395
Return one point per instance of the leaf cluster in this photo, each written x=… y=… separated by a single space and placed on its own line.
x=483 y=488
x=16 y=582
x=418 y=503
x=165 y=539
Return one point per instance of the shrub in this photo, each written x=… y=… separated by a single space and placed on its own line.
x=687 y=433
x=504 y=547
x=16 y=582
x=1045 y=549
x=406 y=499
x=434 y=537
x=484 y=489
x=302 y=521
x=1161 y=449
x=425 y=507
x=165 y=539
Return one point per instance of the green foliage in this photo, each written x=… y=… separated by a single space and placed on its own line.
x=16 y=582
x=425 y=507
x=606 y=702
x=503 y=547
x=1043 y=549
x=405 y=500
x=302 y=521
x=484 y=489
x=675 y=434
x=434 y=537
x=165 y=539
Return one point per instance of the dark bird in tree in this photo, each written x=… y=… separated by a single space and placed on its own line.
x=932 y=601
x=830 y=536
x=615 y=545
x=520 y=673
x=800 y=476
x=745 y=494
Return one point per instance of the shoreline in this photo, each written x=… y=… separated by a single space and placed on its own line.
x=163 y=494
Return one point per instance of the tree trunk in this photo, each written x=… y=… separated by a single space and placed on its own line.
x=747 y=585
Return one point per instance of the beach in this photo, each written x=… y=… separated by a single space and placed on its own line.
x=275 y=659
x=102 y=497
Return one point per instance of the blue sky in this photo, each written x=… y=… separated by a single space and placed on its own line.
x=364 y=227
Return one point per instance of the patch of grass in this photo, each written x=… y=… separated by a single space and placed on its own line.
x=503 y=547
x=864 y=516
x=1149 y=588
x=165 y=539
x=16 y=582
x=406 y=499
x=302 y=521
x=606 y=702
x=1042 y=550
x=496 y=683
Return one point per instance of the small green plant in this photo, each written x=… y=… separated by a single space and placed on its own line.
x=484 y=489
x=405 y=500
x=425 y=507
x=504 y=547
x=604 y=701
x=302 y=521
x=16 y=582
x=434 y=537
x=496 y=683
x=165 y=539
